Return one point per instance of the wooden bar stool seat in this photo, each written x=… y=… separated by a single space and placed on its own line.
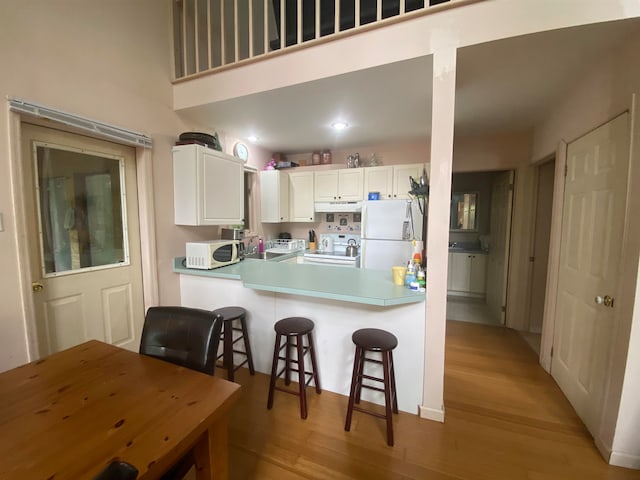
x=383 y=342
x=294 y=329
x=230 y=315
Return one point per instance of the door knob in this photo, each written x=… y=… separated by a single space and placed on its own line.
x=37 y=286
x=607 y=301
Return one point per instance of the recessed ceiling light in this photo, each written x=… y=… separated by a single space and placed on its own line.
x=339 y=125
x=253 y=138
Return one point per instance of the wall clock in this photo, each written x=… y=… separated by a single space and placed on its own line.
x=241 y=151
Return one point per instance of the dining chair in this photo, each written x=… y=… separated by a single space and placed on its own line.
x=185 y=336
x=118 y=470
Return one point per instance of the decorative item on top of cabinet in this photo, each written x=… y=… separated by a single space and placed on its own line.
x=274 y=196
x=301 y=204
x=208 y=186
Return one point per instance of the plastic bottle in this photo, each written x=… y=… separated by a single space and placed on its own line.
x=422 y=281
x=410 y=275
x=260 y=245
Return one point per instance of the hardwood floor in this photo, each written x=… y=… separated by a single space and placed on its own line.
x=505 y=419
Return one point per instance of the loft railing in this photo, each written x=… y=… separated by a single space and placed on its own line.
x=214 y=34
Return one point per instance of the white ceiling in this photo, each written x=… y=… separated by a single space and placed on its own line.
x=502 y=86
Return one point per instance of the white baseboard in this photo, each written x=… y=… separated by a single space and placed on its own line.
x=431 y=413
x=624 y=460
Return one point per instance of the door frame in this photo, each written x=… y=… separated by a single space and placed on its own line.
x=146 y=213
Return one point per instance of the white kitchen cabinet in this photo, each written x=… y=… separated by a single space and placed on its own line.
x=467 y=274
x=378 y=179
x=346 y=185
x=325 y=186
x=401 y=174
x=301 y=197
x=274 y=196
x=208 y=186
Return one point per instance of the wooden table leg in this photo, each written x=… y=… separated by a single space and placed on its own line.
x=212 y=453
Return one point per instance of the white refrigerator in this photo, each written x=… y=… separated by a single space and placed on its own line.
x=388 y=230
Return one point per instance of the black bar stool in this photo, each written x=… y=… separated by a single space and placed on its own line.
x=294 y=329
x=374 y=340
x=229 y=315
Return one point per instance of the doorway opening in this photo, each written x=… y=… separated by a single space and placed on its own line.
x=479 y=238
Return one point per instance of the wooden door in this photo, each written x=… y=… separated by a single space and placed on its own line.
x=84 y=241
x=592 y=230
x=498 y=258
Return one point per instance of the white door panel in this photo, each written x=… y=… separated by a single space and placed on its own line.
x=592 y=231
x=84 y=244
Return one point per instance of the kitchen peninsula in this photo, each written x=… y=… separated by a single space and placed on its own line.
x=338 y=300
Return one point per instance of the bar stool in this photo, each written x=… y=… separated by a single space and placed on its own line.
x=229 y=315
x=374 y=340
x=294 y=329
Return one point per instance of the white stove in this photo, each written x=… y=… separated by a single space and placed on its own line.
x=338 y=256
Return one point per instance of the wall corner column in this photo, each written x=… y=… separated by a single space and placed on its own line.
x=442 y=128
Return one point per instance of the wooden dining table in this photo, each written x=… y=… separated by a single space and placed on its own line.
x=68 y=415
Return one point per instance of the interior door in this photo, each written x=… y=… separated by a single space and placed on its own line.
x=84 y=242
x=498 y=258
x=592 y=230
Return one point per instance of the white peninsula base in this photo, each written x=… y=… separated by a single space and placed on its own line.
x=335 y=321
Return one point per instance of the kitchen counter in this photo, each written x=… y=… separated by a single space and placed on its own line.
x=338 y=300
x=372 y=287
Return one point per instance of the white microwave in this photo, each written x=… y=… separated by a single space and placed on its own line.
x=212 y=254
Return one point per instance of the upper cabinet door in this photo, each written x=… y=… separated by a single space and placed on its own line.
x=326 y=186
x=274 y=196
x=378 y=179
x=208 y=186
x=401 y=174
x=301 y=197
x=350 y=184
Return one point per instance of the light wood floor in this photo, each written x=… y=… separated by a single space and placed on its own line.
x=505 y=419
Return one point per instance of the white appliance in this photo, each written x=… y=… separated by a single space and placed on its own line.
x=388 y=230
x=337 y=257
x=212 y=254
x=326 y=243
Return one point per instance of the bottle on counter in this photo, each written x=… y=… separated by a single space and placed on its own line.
x=260 y=245
x=410 y=276
x=422 y=280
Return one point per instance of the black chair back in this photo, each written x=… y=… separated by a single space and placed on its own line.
x=185 y=336
x=118 y=470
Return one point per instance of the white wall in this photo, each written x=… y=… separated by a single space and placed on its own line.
x=598 y=96
x=109 y=61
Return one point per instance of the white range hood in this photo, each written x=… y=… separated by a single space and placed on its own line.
x=331 y=207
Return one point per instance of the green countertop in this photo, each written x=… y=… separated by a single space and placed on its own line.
x=373 y=287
